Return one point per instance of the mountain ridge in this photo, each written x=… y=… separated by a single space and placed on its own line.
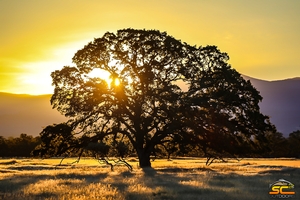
x=280 y=102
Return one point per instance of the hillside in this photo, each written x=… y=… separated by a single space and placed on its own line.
x=26 y=114
x=29 y=114
x=280 y=102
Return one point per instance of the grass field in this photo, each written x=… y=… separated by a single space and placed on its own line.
x=177 y=179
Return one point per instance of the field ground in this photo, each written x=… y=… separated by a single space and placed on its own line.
x=182 y=178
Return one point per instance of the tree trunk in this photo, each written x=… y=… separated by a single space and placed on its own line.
x=144 y=158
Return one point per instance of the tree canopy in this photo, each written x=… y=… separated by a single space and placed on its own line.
x=168 y=92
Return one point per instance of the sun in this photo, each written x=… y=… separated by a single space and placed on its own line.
x=117 y=82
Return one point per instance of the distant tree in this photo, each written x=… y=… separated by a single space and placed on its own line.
x=18 y=146
x=273 y=145
x=294 y=144
x=219 y=111
x=3 y=147
x=25 y=144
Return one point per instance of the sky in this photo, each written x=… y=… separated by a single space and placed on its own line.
x=38 y=37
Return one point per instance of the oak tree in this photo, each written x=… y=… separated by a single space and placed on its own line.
x=160 y=90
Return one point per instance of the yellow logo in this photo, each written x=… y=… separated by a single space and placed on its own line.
x=282 y=189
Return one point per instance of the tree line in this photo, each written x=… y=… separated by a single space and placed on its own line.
x=274 y=146
x=21 y=146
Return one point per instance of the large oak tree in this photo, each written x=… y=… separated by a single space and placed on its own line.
x=162 y=89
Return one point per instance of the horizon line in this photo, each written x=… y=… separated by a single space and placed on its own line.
x=250 y=77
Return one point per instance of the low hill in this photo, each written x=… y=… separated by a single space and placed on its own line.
x=26 y=114
x=281 y=102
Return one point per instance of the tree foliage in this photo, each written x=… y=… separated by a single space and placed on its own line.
x=57 y=140
x=170 y=93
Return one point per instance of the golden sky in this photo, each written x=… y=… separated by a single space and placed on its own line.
x=261 y=37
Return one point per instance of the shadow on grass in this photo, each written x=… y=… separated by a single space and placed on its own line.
x=178 y=183
x=205 y=183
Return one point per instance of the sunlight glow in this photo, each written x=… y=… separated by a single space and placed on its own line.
x=100 y=73
x=117 y=82
x=104 y=75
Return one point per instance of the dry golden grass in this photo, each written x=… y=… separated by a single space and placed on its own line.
x=176 y=179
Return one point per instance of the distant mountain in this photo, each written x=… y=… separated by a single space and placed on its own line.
x=26 y=114
x=281 y=102
x=29 y=114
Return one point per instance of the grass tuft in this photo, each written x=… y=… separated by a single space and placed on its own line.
x=10 y=162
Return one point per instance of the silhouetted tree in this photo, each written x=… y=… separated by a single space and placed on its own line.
x=218 y=110
x=57 y=140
